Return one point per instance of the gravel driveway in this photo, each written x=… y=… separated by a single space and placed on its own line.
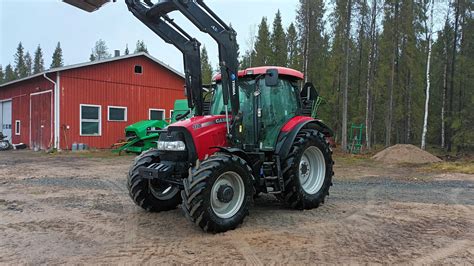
x=75 y=208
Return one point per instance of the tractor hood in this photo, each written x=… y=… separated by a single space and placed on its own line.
x=140 y=128
x=205 y=132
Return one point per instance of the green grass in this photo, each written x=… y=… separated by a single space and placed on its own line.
x=465 y=167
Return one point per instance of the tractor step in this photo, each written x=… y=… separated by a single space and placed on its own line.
x=273 y=176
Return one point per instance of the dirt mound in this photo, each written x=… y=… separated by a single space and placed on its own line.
x=405 y=153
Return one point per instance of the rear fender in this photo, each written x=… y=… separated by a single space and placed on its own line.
x=286 y=138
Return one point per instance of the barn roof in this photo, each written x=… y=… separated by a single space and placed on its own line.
x=59 y=69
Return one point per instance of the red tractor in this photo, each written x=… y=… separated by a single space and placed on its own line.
x=254 y=137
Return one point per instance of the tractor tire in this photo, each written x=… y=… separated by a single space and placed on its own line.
x=149 y=194
x=218 y=192
x=307 y=171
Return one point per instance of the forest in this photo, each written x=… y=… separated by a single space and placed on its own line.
x=403 y=69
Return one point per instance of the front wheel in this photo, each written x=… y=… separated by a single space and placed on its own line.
x=151 y=195
x=217 y=194
x=307 y=171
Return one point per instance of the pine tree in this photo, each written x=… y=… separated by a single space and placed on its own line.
x=126 y=50
x=38 y=62
x=21 y=70
x=371 y=70
x=57 y=57
x=100 y=51
x=279 y=44
x=10 y=73
x=206 y=67
x=141 y=47
x=293 y=47
x=338 y=66
x=462 y=115
x=388 y=79
x=2 y=75
x=345 y=100
x=28 y=64
x=263 y=48
x=311 y=26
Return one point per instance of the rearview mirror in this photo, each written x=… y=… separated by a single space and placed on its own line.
x=271 y=77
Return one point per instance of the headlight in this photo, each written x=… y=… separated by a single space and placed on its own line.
x=171 y=146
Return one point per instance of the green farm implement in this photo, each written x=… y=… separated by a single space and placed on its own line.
x=143 y=135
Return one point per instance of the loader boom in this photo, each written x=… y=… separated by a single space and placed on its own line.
x=207 y=21
x=171 y=33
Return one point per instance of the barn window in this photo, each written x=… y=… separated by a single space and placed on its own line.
x=90 y=124
x=171 y=113
x=117 y=113
x=157 y=114
x=138 y=69
x=17 y=127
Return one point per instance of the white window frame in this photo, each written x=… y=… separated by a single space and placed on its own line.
x=17 y=127
x=171 y=113
x=90 y=120
x=153 y=109
x=125 y=115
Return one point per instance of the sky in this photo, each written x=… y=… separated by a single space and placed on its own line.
x=46 y=22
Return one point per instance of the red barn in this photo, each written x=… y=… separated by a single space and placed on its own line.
x=88 y=103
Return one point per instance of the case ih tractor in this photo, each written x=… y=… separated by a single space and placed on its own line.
x=257 y=138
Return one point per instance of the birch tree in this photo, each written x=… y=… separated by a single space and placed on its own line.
x=428 y=63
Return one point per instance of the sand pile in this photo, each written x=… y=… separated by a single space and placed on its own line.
x=405 y=153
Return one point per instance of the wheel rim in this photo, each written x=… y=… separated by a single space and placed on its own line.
x=224 y=209
x=162 y=192
x=312 y=170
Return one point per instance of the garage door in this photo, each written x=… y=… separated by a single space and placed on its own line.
x=41 y=120
x=6 y=118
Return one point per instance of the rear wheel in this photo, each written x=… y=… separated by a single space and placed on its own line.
x=151 y=195
x=307 y=171
x=217 y=194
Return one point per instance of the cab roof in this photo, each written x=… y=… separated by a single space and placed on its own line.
x=253 y=71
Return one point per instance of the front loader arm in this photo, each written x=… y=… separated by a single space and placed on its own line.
x=207 y=21
x=171 y=33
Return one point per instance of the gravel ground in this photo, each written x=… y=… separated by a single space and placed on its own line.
x=75 y=208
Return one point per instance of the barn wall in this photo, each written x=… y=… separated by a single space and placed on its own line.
x=20 y=93
x=115 y=84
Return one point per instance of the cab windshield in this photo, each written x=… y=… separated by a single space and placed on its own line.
x=278 y=104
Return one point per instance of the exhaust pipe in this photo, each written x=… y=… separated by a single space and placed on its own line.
x=88 y=5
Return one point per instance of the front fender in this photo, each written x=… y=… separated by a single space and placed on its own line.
x=290 y=130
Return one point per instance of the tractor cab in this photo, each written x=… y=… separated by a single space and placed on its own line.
x=266 y=103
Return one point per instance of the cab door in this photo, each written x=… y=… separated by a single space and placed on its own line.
x=278 y=104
